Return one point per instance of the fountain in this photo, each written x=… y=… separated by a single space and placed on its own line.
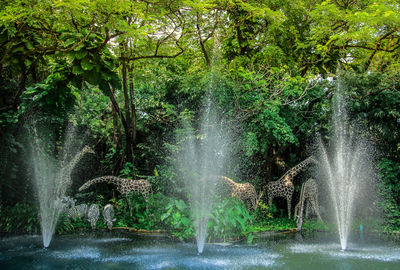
x=203 y=158
x=52 y=177
x=46 y=185
x=346 y=166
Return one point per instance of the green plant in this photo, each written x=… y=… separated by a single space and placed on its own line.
x=310 y=226
x=128 y=171
x=264 y=212
x=275 y=224
x=21 y=217
x=177 y=219
x=389 y=191
x=230 y=218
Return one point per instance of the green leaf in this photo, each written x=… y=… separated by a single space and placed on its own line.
x=77 y=70
x=164 y=216
x=80 y=54
x=185 y=221
x=69 y=42
x=86 y=64
x=28 y=62
x=180 y=205
x=250 y=238
x=79 y=47
x=29 y=45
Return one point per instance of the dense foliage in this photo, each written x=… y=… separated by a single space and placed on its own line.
x=126 y=73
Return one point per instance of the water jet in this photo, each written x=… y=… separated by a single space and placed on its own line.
x=346 y=166
x=52 y=177
x=202 y=158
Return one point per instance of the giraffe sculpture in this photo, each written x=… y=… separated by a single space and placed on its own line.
x=124 y=185
x=243 y=191
x=284 y=186
x=64 y=174
x=309 y=192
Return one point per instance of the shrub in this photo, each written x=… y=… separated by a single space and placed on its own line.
x=21 y=218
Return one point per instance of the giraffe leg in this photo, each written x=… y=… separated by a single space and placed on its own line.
x=254 y=203
x=129 y=205
x=307 y=208
x=289 y=206
x=146 y=198
x=296 y=210
x=315 y=205
x=270 y=199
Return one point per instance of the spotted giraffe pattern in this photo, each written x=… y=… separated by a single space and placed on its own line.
x=309 y=191
x=284 y=186
x=124 y=185
x=243 y=191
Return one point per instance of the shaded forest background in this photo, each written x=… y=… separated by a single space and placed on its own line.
x=126 y=73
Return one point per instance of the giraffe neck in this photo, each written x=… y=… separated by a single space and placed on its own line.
x=65 y=172
x=229 y=181
x=108 y=178
x=286 y=178
x=71 y=165
x=303 y=164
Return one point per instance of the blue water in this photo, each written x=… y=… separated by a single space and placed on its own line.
x=128 y=252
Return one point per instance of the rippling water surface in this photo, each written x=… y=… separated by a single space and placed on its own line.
x=26 y=252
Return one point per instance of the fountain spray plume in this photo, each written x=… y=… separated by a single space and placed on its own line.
x=346 y=166
x=200 y=163
x=52 y=176
x=203 y=157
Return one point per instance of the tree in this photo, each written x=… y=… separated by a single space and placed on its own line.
x=363 y=33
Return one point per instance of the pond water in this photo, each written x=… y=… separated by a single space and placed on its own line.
x=131 y=252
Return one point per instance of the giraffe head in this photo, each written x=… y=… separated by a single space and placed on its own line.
x=87 y=149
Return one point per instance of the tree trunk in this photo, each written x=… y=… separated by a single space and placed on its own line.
x=127 y=126
x=117 y=135
x=132 y=103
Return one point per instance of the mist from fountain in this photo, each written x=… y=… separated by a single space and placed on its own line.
x=346 y=166
x=202 y=159
x=49 y=178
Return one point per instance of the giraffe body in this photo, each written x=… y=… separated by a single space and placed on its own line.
x=243 y=191
x=124 y=185
x=309 y=192
x=284 y=186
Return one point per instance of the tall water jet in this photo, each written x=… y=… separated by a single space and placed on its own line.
x=346 y=166
x=202 y=159
x=46 y=185
x=52 y=176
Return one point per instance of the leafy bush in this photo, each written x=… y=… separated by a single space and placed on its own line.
x=66 y=225
x=264 y=212
x=276 y=224
x=178 y=221
x=389 y=191
x=229 y=219
x=21 y=218
x=315 y=226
